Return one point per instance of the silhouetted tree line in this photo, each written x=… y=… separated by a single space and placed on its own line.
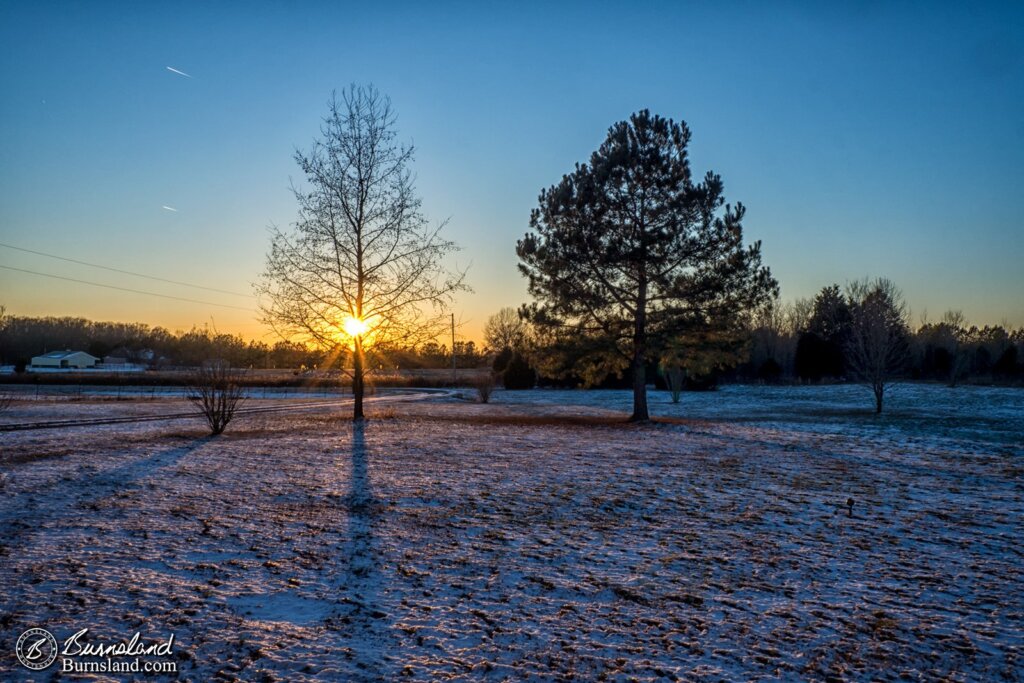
x=861 y=333
x=808 y=340
x=813 y=341
x=434 y=355
x=21 y=338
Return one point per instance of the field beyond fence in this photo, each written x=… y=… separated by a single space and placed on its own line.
x=257 y=378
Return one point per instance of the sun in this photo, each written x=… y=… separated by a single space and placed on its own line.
x=354 y=327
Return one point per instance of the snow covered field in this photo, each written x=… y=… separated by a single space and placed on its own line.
x=533 y=538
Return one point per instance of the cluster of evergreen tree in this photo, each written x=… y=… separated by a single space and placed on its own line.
x=810 y=341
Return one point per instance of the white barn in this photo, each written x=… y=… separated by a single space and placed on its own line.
x=65 y=359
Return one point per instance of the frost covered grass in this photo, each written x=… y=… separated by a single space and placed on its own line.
x=536 y=537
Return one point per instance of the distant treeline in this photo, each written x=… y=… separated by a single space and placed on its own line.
x=21 y=338
x=807 y=341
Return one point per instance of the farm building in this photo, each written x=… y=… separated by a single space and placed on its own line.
x=64 y=359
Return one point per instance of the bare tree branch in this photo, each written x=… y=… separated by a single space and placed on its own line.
x=361 y=248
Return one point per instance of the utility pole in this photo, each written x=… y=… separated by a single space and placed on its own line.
x=453 y=350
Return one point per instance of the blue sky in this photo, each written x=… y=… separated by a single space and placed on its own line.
x=878 y=139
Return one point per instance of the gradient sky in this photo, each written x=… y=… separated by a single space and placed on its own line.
x=879 y=139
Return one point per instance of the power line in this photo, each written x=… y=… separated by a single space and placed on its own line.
x=126 y=289
x=125 y=272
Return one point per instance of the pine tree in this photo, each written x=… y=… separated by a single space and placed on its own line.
x=627 y=253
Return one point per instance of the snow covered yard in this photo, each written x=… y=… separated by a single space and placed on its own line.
x=537 y=538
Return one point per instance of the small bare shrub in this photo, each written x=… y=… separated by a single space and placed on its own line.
x=387 y=413
x=484 y=387
x=5 y=401
x=674 y=377
x=216 y=392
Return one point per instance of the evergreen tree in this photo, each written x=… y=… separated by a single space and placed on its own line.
x=518 y=374
x=820 y=349
x=627 y=252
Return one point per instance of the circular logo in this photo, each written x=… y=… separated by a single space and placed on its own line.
x=37 y=648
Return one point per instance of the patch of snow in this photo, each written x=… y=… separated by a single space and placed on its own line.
x=536 y=537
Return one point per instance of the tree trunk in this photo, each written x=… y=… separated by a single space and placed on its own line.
x=879 y=391
x=357 y=381
x=639 y=389
x=640 y=413
x=954 y=373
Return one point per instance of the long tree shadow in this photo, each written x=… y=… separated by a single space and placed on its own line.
x=363 y=619
x=38 y=523
x=67 y=498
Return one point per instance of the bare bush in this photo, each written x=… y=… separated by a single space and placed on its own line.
x=216 y=391
x=674 y=377
x=5 y=401
x=485 y=387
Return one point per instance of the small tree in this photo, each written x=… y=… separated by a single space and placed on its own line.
x=363 y=268
x=502 y=360
x=505 y=330
x=216 y=391
x=877 y=346
x=518 y=374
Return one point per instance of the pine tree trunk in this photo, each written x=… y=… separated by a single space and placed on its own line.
x=357 y=381
x=879 y=390
x=639 y=389
x=640 y=413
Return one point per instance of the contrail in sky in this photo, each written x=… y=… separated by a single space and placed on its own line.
x=170 y=208
x=171 y=68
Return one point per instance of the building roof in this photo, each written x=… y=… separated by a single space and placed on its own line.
x=63 y=354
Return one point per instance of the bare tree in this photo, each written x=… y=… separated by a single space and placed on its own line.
x=362 y=267
x=956 y=324
x=505 y=330
x=772 y=345
x=798 y=315
x=877 y=348
x=217 y=393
